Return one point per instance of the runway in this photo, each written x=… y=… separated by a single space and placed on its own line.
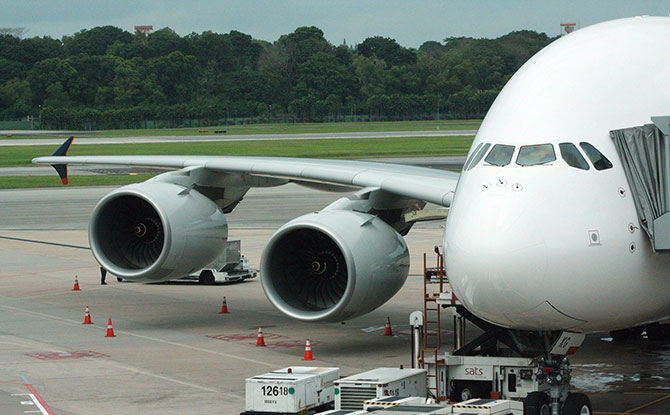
x=223 y=137
x=175 y=354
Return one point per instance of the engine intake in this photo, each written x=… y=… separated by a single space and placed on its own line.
x=130 y=232
x=156 y=231
x=333 y=265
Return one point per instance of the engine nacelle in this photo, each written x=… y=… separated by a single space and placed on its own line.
x=156 y=231
x=333 y=265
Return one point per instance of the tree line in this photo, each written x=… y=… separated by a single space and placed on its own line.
x=106 y=77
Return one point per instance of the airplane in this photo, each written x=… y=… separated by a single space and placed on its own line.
x=543 y=234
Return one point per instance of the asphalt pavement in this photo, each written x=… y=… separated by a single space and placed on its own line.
x=223 y=137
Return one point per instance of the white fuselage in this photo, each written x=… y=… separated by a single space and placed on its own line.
x=550 y=246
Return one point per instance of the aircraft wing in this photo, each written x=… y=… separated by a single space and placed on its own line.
x=341 y=262
x=430 y=185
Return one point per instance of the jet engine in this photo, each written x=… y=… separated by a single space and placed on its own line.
x=333 y=265
x=156 y=231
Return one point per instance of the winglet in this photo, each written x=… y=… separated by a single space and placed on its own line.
x=61 y=169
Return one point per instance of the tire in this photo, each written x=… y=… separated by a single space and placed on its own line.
x=464 y=390
x=536 y=403
x=206 y=278
x=577 y=404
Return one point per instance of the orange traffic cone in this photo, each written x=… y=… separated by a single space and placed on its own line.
x=87 y=317
x=76 y=284
x=308 y=351
x=224 y=307
x=387 y=329
x=110 y=329
x=260 y=341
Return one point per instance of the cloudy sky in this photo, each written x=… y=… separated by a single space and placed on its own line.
x=410 y=22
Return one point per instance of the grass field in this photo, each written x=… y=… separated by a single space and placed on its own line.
x=17 y=156
x=285 y=128
x=22 y=182
x=14 y=156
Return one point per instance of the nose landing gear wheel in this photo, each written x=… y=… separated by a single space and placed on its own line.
x=536 y=403
x=577 y=404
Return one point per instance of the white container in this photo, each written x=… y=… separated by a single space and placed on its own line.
x=291 y=390
x=352 y=391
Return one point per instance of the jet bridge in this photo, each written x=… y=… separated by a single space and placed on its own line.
x=645 y=155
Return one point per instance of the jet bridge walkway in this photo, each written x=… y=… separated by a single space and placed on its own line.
x=645 y=156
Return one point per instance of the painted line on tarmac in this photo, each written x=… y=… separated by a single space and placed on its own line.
x=49 y=271
x=35 y=397
x=134 y=369
x=35 y=241
x=654 y=402
x=167 y=378
x=141 y=336
x=25 y=345
x=147 y=373
x=34 y=400
x=258 y=362
x=55 y=291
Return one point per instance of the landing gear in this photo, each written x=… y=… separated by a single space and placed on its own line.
x=536 y=403
x=547 y=377
x=577 y=404
x=555 y=372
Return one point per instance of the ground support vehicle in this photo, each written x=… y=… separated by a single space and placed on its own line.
x=230 y=266
x=291 y=390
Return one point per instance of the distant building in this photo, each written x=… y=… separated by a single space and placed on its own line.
x=146 y=29
x=568 y=27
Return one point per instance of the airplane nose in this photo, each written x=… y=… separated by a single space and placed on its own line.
x=495 y=254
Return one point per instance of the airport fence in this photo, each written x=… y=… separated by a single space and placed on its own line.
x=184 y=115
x=119 y=120
x=20 y=125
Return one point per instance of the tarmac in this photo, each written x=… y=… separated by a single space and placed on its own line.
x=175 y=354
x=9 y=141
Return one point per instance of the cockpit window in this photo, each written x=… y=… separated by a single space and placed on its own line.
x=535 y=154
x=479 y=155
x=500 y=155
x=572 y=156
x=600 y=162
x=472 y=155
